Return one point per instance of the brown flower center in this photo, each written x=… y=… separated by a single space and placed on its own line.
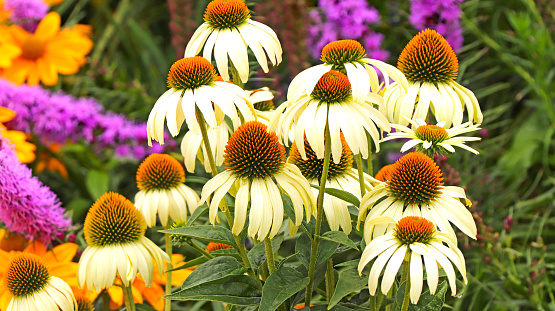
x=333 y=87
x=33 y=48
x=413 y=229
x=160 y=171
x=26 y=274
x=191 y=73
x=342 y=51
x=222 y=14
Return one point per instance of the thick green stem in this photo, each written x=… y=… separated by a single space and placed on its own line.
x=319 y=216
x=270 y=255
x=330 y=280
x=223 y=204
x=358 y=158
x=169 y=251
x=200 y=250
x=405 y=277
x=128 y=297
x=370 y=166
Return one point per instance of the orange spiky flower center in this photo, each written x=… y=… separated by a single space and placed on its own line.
x=252 y=152
x=385 y=172
x=216 y=246
x=333 y=87
x=26 y=274
x=312 y=167
x=113 y=220
x=416 y=179
x=160 y=171
x=191 y=73
x=339 y=52
x=428 y=57
x=432 y=133
x=222 y=14
x=84 y=304
x=414 y=229
x=32 y=48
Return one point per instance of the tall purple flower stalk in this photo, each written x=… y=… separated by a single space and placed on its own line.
x=345 y=19
x=444 y=16
x=28 y=207
x=56 y=117
x=26 y=13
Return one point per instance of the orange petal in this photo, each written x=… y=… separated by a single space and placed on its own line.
x=154 y=295
x=47 y=72
x=19 y=70
x=37 y=247
x=5 y=116
x=49 y=26
x=62 y=253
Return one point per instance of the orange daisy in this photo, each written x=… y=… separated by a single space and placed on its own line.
x=24 y=150
x=47 y=52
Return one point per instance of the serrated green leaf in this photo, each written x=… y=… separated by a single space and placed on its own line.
x=325 y=250
x=214 y=269
x=426 y=302
x=349 y=281
x=281 y=285
x=239 y=290
x=341 y=194
x=339 y=237
x=97 y=183
x=215 y=234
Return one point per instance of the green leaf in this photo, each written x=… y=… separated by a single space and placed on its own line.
x=97 y=183
x=325 y=250
x=239 y=290
x=214 y=269
x=290 y=212
x=215 y=234
x=325 y=308
x=350 y=263
x=191 y=263
x=257 y=255
x=341 y=194
x=279 y=286
x=349 y=282
x=339 y=237
x=143 y=307
x=426 y=302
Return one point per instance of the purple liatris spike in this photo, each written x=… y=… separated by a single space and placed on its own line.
x=28 y=207
x=26 y=13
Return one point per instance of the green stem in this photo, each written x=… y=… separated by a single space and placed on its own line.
x=169 y=251
x=128 y=297
x=405 y=277
x=358 y=158
x=200 y=250
x=270 y=255
x=105 y=300
x=370 y=166
x=330 y=280
x=319 y=216
x=223 y=204
x=235 y=76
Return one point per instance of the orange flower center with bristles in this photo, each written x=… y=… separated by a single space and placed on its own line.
x=216 y=246
x=32 y=48
x=312 y=167
x=113 y=220
x=221 y=14
x=433 y=133
x=416 y=179
x=414 y=229
x=342 y=51
x=84 y=304
x=160 y=171
x=26 y=274
x=191 y=73
x=428 y=58
x=333 y=87
x=385 y=172
x=252 y=152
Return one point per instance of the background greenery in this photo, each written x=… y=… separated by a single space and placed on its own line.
x=507 y=60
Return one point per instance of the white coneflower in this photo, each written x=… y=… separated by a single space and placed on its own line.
x=255 y=164
x=193 y=84
x=347 y=56
x=414 y=241
x=114 y=230
x=340 y=176
x=33 y=288
x=162 y=192
x=227 y=31
x=431 y=67
x=309 y=115
x=415 y=188
x=434 y=139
